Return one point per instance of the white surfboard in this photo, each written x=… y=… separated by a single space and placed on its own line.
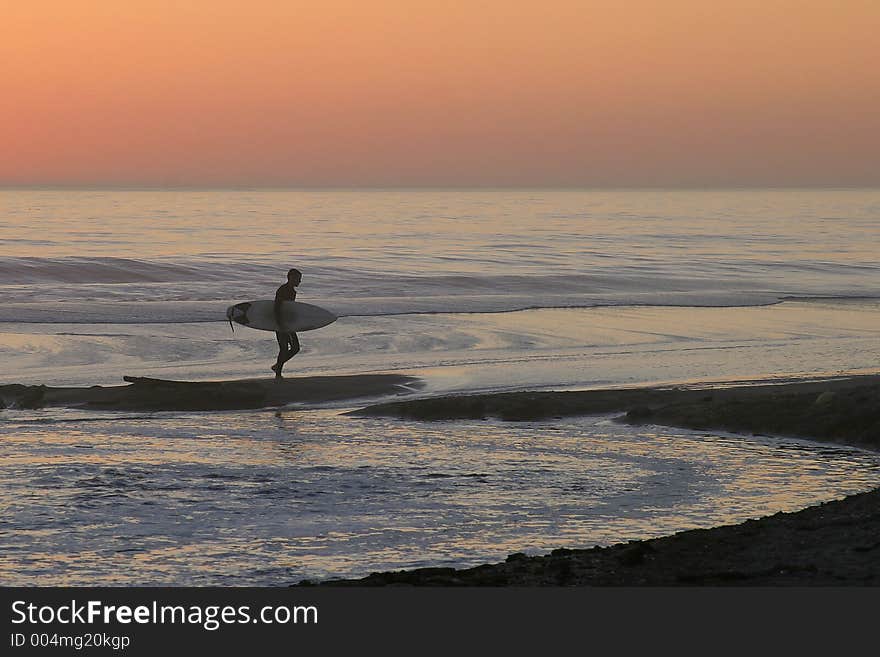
x=295 y=316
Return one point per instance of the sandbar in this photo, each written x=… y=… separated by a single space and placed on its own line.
x=844 y=410
x=147 y=394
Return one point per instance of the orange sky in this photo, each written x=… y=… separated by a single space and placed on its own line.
x=417 y=92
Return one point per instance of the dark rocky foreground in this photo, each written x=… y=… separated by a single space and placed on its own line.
x=144 y=394
x=833 y=544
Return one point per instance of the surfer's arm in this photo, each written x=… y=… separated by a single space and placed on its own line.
x=276 y=308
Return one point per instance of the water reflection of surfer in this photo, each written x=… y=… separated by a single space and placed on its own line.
x=288 y=343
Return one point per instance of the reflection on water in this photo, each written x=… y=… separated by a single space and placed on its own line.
x=272 y=498
x=527 y=349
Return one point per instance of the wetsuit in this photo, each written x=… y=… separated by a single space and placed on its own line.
x=288 y=343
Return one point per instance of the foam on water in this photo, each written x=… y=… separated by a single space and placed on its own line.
x=185 y=256
x=502 y=351
x=270 y=499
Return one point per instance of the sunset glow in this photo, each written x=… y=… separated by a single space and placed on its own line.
x=394 y=92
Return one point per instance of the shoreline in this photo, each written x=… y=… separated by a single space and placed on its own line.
x=842 y=410
x=147 y=394
x=831 y=544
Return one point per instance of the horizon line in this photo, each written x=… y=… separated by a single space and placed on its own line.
x=259 y=187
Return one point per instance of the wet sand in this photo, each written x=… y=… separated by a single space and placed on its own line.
x=844 y=410
x=145 y=394
x=832 y=544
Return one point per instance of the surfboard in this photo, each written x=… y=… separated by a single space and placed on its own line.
x=295 y=316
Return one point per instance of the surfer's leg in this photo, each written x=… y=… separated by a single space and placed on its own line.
x=291 y=348
x=283 y=342
x=294 y=346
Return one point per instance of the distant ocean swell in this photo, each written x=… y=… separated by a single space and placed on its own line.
x=177 y=290
x=239 y=268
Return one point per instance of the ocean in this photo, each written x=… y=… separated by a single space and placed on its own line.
x=468 y=290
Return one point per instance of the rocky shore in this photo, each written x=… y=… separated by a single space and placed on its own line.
x=832 y=544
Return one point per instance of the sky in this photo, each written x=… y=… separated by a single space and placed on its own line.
x=440 y=93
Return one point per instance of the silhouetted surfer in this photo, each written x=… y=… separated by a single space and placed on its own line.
x=288 y=343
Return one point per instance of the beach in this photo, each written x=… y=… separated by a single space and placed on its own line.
x=149 y=394
x=832 y=544
x=844 y=409
x=575 y=302
x=511 y=372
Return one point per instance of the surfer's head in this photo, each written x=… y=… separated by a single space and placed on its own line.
x=294 y=276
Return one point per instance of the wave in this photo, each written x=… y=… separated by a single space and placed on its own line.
x=112 y=270
x=109 y=290
x=458 y=272
x=24 y=271
x=187 y=312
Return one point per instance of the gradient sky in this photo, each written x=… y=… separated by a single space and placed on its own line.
x=413 y=92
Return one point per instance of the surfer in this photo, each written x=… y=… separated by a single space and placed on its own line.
x=288 y=342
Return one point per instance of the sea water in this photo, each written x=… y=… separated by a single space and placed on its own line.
x=272 y=498
x=467 y=290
